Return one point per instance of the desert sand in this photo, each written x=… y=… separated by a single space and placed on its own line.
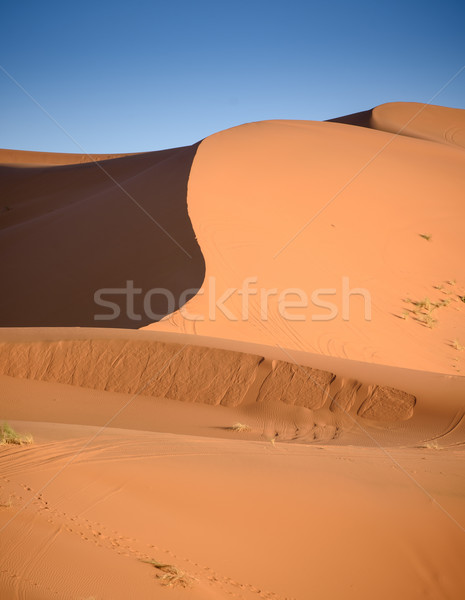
x=305 y=204
x=249 y=458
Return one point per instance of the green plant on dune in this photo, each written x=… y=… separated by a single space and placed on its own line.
x=9 y=436
x=171 y=575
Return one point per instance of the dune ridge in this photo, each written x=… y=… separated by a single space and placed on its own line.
x=411 y=119
x=28 y=158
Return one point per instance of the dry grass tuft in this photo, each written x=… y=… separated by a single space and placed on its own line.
x=430 y=322
x=6 y=503
x=9 y=436
x=424 y=304
x=172 y=576
x=423 y=309
x=432 y=445
x=240 y=427
x=457 y=345
x=444 y=302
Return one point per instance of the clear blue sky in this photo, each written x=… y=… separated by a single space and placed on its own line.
x=146 y=75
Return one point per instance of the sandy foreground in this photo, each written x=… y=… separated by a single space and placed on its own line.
x=346 y=478
x=131 y=464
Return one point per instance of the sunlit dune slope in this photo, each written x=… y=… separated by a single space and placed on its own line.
x=329 y=208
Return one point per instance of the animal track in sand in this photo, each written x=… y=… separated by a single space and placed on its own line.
x=214 y=578
x=97 y=533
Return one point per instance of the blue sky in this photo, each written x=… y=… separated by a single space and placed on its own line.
x=128 y=77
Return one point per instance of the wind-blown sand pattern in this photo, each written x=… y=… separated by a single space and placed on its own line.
x=250 y=459
x=194 y=374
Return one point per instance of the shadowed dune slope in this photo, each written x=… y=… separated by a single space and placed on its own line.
x=27 y=158
x=68 y=231
x=369 y=222
x=361 y=119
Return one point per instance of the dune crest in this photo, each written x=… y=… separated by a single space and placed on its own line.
x=28 y=158
x=412 y=119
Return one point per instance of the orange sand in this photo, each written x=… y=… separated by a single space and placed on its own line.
x=346 y=478
x=253 y=188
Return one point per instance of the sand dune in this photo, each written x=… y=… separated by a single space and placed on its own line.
x=425 y=122
x=301 y=402
x=250 y=456
x=310 y=205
